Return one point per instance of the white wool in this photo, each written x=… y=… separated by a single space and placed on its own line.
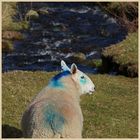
x=65 y=119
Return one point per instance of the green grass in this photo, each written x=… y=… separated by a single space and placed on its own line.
x=9 y=11
x=7 y=46
x=125 y=53
x=112 y=112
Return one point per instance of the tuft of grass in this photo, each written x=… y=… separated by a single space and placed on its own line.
x=7 y=46
x=9 y=11
x=10 y=26
x=112 y=112
x=17 y=26
x=24 y=25
x=98 y=62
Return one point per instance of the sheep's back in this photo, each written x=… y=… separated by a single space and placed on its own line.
x=54 y=113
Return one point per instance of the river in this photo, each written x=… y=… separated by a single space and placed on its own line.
x=67 y=29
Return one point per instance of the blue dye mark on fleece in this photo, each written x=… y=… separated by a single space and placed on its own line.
x=60 y=75
x=53 y=119
x=55 y=82
x=83 y=81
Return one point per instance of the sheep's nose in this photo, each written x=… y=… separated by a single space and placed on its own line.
x=93 y=88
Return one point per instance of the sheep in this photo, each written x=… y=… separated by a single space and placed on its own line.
x=55 y=112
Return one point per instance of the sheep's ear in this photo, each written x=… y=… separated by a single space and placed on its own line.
x=73 y=68
x=64 y=66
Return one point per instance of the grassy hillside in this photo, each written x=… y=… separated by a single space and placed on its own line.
x=124 y=54
x=112 y=112
x=126 y=51
x=11 y=25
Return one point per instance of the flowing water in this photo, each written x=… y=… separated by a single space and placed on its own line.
x=69 y=28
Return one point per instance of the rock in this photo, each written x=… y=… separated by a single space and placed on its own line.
x=78 y=57
x=31 y=14
x=43 y=11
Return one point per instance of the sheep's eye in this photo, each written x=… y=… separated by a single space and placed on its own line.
x=82 y=77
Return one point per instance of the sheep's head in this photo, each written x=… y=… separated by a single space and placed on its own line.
x=85 y=83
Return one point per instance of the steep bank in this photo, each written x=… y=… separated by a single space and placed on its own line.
x=122 y=58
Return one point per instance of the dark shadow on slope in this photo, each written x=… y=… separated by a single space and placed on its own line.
x=10 y=132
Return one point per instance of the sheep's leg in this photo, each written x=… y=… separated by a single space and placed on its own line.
x=57 y=136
